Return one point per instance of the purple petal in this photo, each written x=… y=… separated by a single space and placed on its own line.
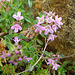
x=12 y=27
x=21 y=17
x=15 y=63
x=18 y=13
x=19 y=59
x=8 y=54
x=28 y=59
x=14 y=16
x=16 y=52
x=24 y=58
x=16 y=30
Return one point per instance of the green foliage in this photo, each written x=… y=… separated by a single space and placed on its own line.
x=7 y=11
x=30 y=3
x=31 y=48
x=61 y=70
x=8 y=69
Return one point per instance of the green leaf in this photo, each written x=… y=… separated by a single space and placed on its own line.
x=73 y=62
x=46 y=53
x=31 y=69
x=0 y=62
x=40 y=42
x=69 y=67
x=65 y=63
x=27 y=19
x=30 y=3
x=21 y=36
x=42 y=34
x=7 y=39
x=23 y=42
x=10 y=31
x=10 y=46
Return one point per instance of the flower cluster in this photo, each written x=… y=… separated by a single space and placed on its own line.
x=4 y=55
x=6 y=0
x=53 y=62
x=17 y=55
x=49 y=24
x=18 y=17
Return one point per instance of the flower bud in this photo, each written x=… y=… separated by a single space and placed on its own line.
x=16 y=52
x=8 y=54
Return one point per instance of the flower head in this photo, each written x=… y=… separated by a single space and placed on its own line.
x=19 y=47
x=6 y=0
x=58 y=21
x=51 y=37
x=16 y=52
x=16 y=40
x=11 y=61
x=41 y=20
x=49 y=14
x=18 y=16
x=8 y=54
x=19 y=59
x=3 y=56
x=39 y=28
x=24 y=58
x=48 y=29
x=16 y=27
x=51 y=61
x=15 y=63
x=55 y=66
x=54 y=27
x=49 y=19
x=53 y=55
x=28 y=59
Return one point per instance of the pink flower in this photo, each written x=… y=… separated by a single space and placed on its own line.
x=15 y=63
x=3 y=56
x=53 y=55
x=6 y=0
x=16 y=52
x=58 y=21
x=24 y=58
x=18 y=16
x=39 y=28
x=16 y=27
x=28 y=59
x=8 y=54
x=49 y=19
x=54 y=27
x=51 y=37
x=41 y=20
x=51 y=62
x=58 y=56
x=49 y=14
x=56 y=59
x=3 y=0
x=48 y=29
x=19 y=59
x=20 y=52
x=55 y=66
x=19 y=47
x=11 y=61
x=16 y=40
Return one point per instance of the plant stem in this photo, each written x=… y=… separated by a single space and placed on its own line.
x=37 y=60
